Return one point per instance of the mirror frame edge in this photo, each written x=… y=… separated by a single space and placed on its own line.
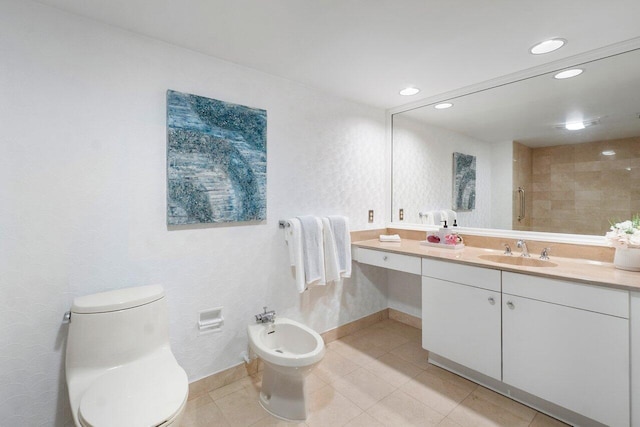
x=582 y=239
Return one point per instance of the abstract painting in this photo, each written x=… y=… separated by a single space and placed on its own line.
x=464 y=182
x=216 y=161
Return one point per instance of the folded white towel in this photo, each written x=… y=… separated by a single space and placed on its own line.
x=444 y=216
x=390 y=238
x=293 y=237
x=331 y=265
x=312 y=249
x=340 y=228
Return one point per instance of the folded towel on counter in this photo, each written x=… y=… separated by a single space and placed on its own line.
x=331 y=264
x=340 y=229
x=390 y=238
x=293 y=237
x=312 y=249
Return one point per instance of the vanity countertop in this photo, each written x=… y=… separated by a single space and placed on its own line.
x=580 y=270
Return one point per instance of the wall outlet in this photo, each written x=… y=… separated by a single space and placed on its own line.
x=371 y=215
x=401 y=215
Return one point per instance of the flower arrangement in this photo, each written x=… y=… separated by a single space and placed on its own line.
x=625 y=234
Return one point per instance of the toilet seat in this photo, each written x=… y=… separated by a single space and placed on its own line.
x=148 y=392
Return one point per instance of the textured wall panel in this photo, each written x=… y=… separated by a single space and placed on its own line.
x=84 y=198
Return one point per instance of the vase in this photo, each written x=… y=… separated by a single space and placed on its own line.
x=627 y=259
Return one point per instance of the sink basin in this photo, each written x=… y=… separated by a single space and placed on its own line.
x=518 y=260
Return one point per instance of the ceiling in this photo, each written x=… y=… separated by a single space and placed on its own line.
x=367 y=50
x=534 y=111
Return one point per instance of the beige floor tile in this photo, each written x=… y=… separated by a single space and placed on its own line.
x=435 y=392
x=400 y=409
x=358 y=350
x=414 y=334
x=228 y=389
x=414 y=353
x=201 y=412
x=271 y=421
x=510 y=405
x=451 y=377
x=475 y=411
x=363 y=388
x=364 y=420
x=241 y=408
x=382 y=338
x=393 y=370
x=448 y=423
x=327 y=407
x=542 y=420
x=313 y=383
x=334 y=366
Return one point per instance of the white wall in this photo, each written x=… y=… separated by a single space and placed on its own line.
x=423 y=171
x=83 y=198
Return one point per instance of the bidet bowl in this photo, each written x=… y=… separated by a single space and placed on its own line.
x=286 y=343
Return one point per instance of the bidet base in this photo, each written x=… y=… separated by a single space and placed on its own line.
x=283 y=395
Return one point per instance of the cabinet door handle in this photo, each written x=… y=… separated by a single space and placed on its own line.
x=511 y=305
x=492 y=300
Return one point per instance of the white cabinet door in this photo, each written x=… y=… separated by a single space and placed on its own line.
x=572 y=357
x=462 y=323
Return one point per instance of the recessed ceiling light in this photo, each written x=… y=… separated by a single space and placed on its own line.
x=628 y=169
x=608 y=153
x=567 y=74
x=443 y=106
x=574 y=126
x=408 y=91
x=547 y=46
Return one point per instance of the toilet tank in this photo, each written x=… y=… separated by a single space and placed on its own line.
x=117 y=327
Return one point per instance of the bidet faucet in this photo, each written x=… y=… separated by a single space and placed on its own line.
x=266 y=317
x=523 y=245
x=507 y=249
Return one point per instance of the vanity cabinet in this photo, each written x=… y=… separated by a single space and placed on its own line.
x=567 y=343
x=390 y=260
x=461 y=314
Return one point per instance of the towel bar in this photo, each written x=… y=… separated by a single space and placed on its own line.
x=283 y=223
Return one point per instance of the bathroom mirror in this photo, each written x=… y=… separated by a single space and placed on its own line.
x=531 y=172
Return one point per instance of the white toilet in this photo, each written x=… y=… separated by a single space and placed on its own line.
x=289 y=350
x=120 y=368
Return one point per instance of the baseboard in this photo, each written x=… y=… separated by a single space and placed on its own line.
x=405 y=318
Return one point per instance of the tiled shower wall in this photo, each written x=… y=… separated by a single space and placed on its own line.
x=577 y=189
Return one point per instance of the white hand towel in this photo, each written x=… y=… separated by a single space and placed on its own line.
x=293 y=237
x=312 y=249
x=427 y=218
x=444 y=217
x=331 y=266
x=390 y=238
x=340 y=228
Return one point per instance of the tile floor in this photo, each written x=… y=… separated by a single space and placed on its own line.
x=378 y=376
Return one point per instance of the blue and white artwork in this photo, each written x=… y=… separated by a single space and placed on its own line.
x=464 y=182
x=216 y=161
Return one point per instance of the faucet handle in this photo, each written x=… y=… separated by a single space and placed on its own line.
x=507 y=249
x=545 y=253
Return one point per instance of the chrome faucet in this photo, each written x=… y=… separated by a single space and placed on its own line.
x=507 y=249
x=522 y=244
x=266 y=317
x=545 y=253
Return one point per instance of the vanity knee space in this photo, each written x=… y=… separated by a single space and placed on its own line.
x=561 y=341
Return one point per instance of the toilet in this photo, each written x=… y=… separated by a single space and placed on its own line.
x=290 y=351
x=119 y=366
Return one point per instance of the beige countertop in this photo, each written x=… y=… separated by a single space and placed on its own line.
x=580 y=270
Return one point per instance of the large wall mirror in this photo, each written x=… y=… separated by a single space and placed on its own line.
x=529 y=172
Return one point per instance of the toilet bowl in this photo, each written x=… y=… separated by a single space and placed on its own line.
x=290 y=351
x=120 y=370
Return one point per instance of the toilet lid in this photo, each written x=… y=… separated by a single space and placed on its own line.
x=140 y=394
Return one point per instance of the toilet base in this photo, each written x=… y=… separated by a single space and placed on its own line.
x=283 y=395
